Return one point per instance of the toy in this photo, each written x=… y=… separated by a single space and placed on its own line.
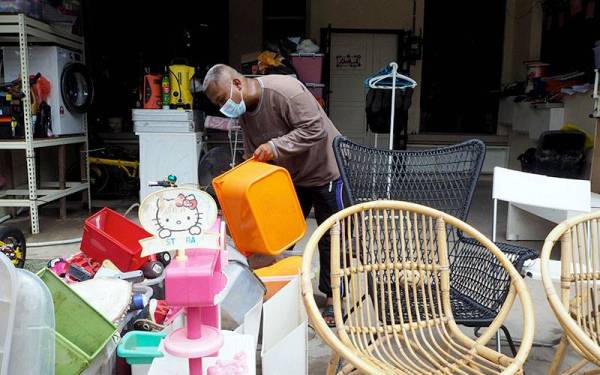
x=237 y=366
x=59 y=266
x=110 y=235
x=180 y=219
x=140 y=348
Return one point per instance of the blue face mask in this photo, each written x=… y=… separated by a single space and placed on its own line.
x=232 y=109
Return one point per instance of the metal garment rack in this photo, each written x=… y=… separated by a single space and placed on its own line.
x=375 y=83
x=24 y=30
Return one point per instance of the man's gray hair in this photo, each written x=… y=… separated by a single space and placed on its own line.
x=219 y=74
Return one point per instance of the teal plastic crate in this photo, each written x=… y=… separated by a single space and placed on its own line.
x=140 y=348
x=81 y=331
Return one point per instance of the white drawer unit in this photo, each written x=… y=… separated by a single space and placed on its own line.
x=170 y=143
x=162 y=154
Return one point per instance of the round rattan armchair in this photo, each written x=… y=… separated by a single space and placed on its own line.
x=393 y=256
x=577 y=306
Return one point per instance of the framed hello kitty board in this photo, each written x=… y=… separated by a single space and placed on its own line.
x=179 y=218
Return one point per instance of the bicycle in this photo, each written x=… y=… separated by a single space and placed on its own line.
x=114 y=173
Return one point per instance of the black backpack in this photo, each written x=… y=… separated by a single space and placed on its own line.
x=558 y=154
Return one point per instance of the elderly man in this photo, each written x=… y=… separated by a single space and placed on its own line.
x=283 y=123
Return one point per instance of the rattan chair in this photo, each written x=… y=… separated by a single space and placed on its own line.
x=397 y=253
x=443 y=178
x=577 y=307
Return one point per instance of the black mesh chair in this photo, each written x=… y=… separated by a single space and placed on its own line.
x=443 y=178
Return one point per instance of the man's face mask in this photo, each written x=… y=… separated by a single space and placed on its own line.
x=232 y=109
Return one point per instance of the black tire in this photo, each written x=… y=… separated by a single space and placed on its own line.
x=12 y=244
x=153 y=269
x=164 y=258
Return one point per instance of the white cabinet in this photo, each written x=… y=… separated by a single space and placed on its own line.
x=169 y=145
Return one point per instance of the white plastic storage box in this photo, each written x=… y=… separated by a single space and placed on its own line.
x=33 y=342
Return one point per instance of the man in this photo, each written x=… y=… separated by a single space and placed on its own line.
x=283 y=123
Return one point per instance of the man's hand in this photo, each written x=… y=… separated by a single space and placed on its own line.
x=264 y=152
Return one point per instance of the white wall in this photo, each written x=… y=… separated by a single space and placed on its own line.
x=522 y=37
x=372 y=14
x=578 y=107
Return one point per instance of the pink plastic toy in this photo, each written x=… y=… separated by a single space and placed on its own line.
x=237 y=366
x=185 y=220
x=193 y=281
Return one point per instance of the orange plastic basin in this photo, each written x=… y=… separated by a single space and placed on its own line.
x=261 y=207
x=277 y=275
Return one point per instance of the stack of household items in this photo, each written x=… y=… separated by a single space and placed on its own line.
x=173 y=294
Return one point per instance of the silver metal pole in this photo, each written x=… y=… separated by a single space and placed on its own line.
x=29 y=150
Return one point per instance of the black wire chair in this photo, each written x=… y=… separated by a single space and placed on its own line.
x=443 y=178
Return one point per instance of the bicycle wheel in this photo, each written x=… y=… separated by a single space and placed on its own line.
x=99 y=180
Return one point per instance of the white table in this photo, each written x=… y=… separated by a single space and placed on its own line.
x=532 y=223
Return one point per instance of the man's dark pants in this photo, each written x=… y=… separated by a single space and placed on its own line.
x=326 y=200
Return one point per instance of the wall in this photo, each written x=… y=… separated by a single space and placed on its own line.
x=372 y=14
x=245 y=29
x=522 y=37
x=360 y=14
x=578 y=107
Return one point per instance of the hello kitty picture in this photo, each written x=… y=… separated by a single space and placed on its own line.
x=178 y=214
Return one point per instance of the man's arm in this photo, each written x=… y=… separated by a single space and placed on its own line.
x=302 y=114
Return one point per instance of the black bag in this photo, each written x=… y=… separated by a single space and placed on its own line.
x=558 y=154
x=379 y=107
x=6 y=128
x=527 y=160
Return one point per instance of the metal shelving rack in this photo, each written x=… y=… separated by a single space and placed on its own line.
x=24 y=30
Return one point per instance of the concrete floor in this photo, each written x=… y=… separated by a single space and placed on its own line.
x=547 y=330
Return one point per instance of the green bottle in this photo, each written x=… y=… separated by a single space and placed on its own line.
x=165 y=89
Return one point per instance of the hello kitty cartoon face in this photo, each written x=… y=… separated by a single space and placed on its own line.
x=179 y=214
